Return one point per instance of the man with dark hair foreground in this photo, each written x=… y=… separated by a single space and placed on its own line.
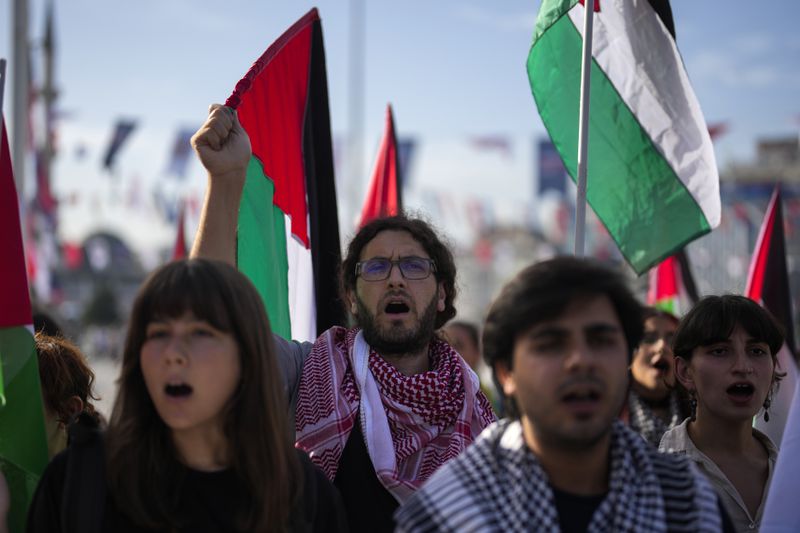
x=559 y=339
x=381 y=406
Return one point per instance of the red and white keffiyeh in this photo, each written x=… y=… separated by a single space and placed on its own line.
x=412 y=424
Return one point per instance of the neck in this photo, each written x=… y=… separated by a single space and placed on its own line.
x=714 y=436
x=410 y=363
x=201 y=449
x=577 y=471
x=650 y=396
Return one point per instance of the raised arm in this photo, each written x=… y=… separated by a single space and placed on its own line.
x=224 y=150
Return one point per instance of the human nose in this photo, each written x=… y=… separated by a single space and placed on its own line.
x=578 y=357
x=741 y=363
x=396 y=275
x=176 y=350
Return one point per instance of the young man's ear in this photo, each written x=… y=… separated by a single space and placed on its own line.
x=441 y=297
x=684 y=373
x=351 y=303
x=506 y=378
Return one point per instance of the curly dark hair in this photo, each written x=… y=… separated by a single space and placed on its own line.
x=543 y=291
x=423 y=233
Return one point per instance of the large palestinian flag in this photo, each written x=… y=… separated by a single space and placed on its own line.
x=23 y=445
x=384 y=195
x=651 y=176
x=288 y=235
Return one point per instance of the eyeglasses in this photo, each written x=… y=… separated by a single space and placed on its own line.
x=379 y=269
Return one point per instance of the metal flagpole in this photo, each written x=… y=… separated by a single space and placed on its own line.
x=583 y=128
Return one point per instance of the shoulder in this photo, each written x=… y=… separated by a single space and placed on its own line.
x=321 y=500
x=449 y=500
x=676 y=440
x=769 y=445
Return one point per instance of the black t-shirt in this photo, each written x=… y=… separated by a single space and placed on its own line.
x=367 y=504
x=208 y=502
x=575 y=511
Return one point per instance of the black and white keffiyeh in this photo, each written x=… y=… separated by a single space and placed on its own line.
x=499 y=485
x=648 y=424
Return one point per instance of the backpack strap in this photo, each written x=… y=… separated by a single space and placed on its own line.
x=84 y=496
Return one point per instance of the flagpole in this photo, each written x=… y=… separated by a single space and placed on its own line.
x=583 y=128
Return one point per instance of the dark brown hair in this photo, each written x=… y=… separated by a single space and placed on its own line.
x=424 y=234
x=64 y=373
x=713 y=319
x=143 y=465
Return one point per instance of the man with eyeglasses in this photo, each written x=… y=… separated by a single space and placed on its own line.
x=381 y=406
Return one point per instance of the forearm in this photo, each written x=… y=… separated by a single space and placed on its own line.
x=216 y=235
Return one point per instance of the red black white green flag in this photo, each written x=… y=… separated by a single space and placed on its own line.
x=288 y=233
x=768 y=284
x=23 y=445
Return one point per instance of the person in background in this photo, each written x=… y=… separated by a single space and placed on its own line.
x=726 y=351
x=654 y=404
x=464 y=337
x=66 y=381
x=198 y=438
x=559 y=338
x=379 y=406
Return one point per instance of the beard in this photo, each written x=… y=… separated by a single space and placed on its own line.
x=397 y=340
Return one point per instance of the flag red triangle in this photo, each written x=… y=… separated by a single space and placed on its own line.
x=384 y=198
x=15 y=309
x=768 y=279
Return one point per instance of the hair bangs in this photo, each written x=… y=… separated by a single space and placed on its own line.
x=188 y=289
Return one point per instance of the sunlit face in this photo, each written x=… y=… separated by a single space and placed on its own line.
x=652 y=366
x=462 y=342
x=731 y=378
x=191 y=370
x=569 y=375
x=397 y=314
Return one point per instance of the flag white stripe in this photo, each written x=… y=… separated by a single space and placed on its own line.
x=629 y=46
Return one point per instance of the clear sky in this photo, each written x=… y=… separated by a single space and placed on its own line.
x=452 y=69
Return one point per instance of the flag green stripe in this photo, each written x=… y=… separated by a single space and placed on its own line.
x=261 y=242
x=23 y=443
x=642 y=202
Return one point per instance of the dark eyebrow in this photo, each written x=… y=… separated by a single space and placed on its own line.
x=546 y=331
x=602 y=328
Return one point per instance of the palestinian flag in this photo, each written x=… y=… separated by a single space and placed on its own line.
x=671 y=285
x=651 y=178
x=768 y=284
x=384 y=196
x=288 y=236
x=23 y=445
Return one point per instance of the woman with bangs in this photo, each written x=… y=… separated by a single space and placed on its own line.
x=725 y=358
x=198 y=439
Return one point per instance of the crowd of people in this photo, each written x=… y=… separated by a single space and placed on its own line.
x=613 y=417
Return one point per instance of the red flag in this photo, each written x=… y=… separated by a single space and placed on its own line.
x=180 y=251
x=16 y=310
x=768 y=284
x=384 y=198
x=672 y=285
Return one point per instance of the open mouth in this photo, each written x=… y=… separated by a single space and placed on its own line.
x=662 y=366
x=396 y=308
x=741 y=391
x=180 y=390
x=581 y=397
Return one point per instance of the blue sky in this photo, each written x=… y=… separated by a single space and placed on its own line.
x=451 y=69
